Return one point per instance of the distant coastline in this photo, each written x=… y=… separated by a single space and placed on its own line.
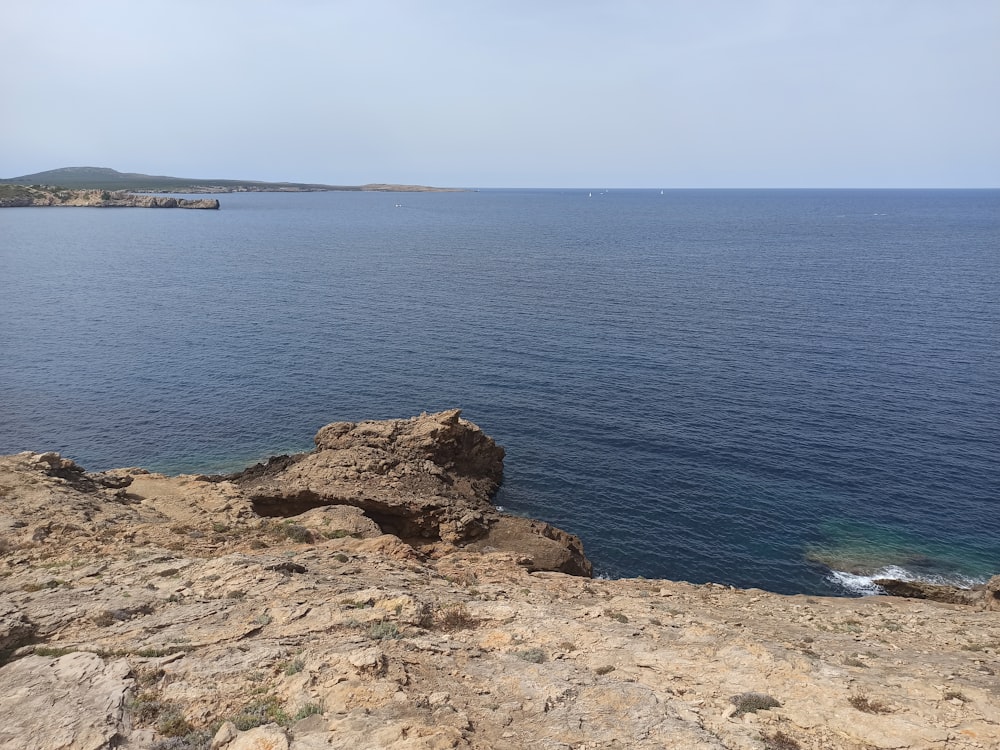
x=16 y=196
x=103 y=178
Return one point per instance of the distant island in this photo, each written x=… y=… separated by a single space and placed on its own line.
x=103 y=178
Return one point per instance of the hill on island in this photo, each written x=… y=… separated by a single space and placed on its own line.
x=103 y=178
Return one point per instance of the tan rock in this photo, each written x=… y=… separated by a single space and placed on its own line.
x=75 y=701
x=207 y=613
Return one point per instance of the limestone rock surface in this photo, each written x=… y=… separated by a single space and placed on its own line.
x=169 y=613
x=75 y=701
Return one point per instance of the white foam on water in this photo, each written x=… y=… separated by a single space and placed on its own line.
x=864 y=585
x=855 y=584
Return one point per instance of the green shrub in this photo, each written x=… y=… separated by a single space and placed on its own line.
x=258 y=713
x=533 y=655
x=173 y=724
x=310 y=709
x=297 y=533
x=383 y=630
x=147 y=707
x=747 y=703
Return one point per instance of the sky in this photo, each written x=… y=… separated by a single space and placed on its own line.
x=509 y=93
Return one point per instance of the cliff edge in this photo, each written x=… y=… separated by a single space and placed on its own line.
x=366 y=594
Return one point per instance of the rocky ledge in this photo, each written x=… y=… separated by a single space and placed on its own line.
x=15 y=196
x=367 y=594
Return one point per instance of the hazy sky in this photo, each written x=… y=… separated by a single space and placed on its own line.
x=610 y=93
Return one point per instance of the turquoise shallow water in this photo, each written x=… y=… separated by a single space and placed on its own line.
x=752 y=387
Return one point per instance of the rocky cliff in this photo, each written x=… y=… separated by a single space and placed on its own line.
x=16 y=196
x=367 y=595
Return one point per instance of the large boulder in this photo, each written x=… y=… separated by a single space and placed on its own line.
x=539 y=545
x=425 y=479
x=429 y=477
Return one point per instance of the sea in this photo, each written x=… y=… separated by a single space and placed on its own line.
x=794 y=390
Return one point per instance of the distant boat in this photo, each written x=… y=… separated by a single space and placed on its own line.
x=590 y=195
x=661 y=192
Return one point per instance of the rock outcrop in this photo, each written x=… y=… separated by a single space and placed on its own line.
x=425 y=479
x=266 y=610
x=986 y=596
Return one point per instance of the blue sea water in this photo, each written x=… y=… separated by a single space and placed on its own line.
x=784 y=389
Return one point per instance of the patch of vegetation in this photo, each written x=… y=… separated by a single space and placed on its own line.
x=337 y=534
x=173 y=724
x=533 y=655
x=52 y=583
x=146 y=678
x=147 y=707
x=862 y=702
x=751 y=702
x=310 y=709
x=197 y=740
x=341 y=557
x=295 y=666
x=156 y=652
x=54 y=651
x=383 y=630
x=258 y=713
x=358 y=604
x=454 y=617
x=103 y=619
x=853 y=661
x=605 y=669
x=289 y=530
x=780 y=741
x=619 y=616
x=954 y=694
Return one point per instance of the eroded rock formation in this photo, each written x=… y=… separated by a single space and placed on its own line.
x=986 y=596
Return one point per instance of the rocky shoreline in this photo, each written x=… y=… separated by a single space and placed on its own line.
x=367 y=594
x=14 y=196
